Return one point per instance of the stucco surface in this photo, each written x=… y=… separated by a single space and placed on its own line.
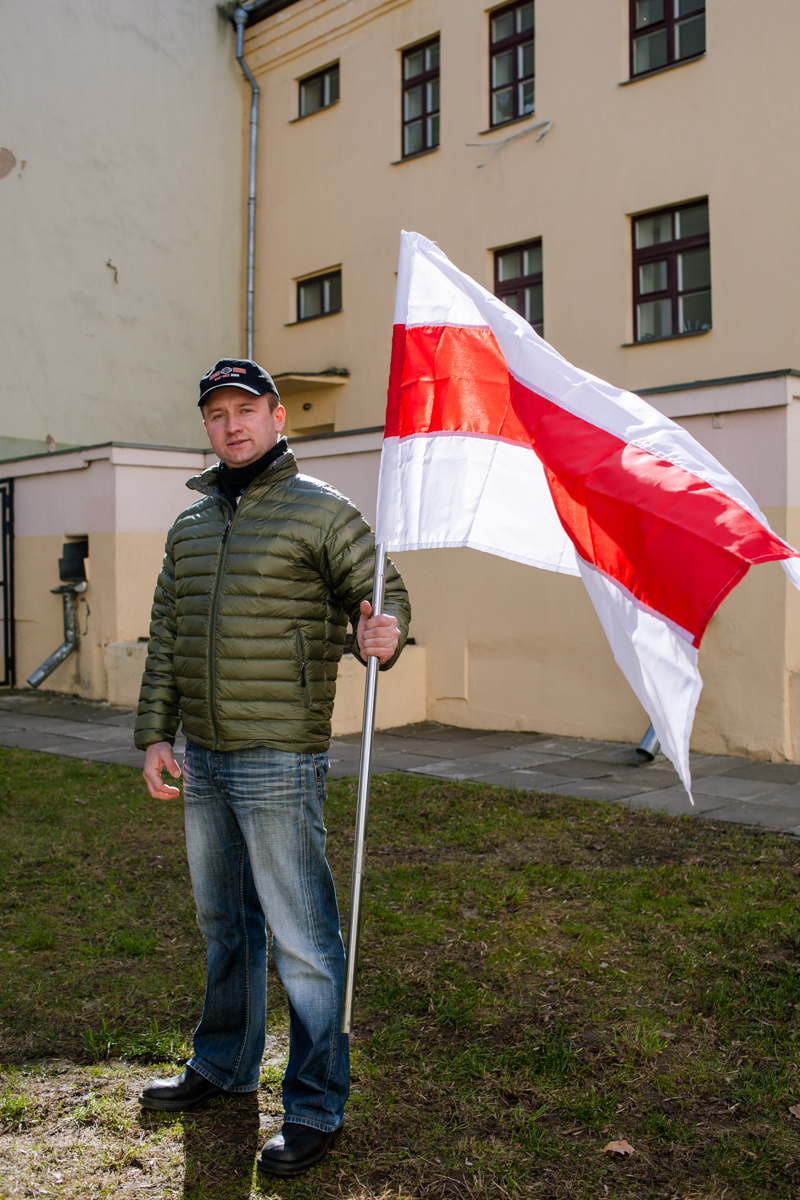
x=124 y=121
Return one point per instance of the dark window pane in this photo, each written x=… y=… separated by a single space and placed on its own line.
x=310 y=300
x=534 y=310
x=652 y=231
x=432 y=97
x=648 y=12
x=414 y=64
x=654 y=320
x=532 y=261
x=690 y=37
x=512 y=300
x=653 y=277
x=694 y=269
x=525 y=18
x=525 y=63
x=310 y=96
x=412 y=138
x=502 y=68
x=333 y=85
x=509 y=266
x=412 y=103
x=502 y=106
x=526 y=97
x=502 y=27
x=650 y=51
x=433 y=131
x=694 y=312
x=689 y=222
x=432 y=57
x=334 y=296
x=683 y=7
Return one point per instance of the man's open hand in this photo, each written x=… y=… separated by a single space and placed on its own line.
x=156 y=758
x=377 y=636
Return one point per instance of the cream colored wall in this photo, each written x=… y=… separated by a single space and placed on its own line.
x=613 y=150
x=125 y=122
x=124 y=500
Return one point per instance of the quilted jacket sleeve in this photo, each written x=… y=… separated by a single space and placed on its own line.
x=348 y=563
x=157 y=718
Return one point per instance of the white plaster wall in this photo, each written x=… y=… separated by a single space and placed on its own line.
x=126 y=124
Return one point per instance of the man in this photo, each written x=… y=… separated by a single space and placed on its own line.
x=249 y=619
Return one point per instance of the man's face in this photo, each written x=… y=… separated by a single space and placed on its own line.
x=241 y=427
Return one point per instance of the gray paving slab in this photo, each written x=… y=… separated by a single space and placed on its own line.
x=787 y=773
x=751 y=812
x=597 y=789
x=676 y=802
x=730 y=789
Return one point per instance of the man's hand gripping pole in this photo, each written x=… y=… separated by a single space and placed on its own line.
x=362 y=807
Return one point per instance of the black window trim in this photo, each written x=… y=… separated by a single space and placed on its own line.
x=668 y=22
x=502 y=289
x=653 y=253
x=318 y=74
x=406 y=85
x=513 y=40
x=316 y=277
x=673 y=66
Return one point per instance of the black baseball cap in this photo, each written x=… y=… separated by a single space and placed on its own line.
x=237 y=372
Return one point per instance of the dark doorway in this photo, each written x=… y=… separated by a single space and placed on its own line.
x=7 y=665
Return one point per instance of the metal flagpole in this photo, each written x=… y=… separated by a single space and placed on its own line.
x=362 y=807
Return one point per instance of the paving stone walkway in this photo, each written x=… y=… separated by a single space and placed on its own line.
x=727 y=789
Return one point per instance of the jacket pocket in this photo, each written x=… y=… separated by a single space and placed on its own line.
x=301 y=658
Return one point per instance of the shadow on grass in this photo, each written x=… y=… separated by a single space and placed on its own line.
x=220 y=1144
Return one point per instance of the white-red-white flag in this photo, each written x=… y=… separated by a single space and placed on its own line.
x=495 y=441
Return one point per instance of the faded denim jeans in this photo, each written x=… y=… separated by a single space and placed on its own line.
x=255 y=839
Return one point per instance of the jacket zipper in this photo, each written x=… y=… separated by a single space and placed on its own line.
x=301 y=654
x=212 y=626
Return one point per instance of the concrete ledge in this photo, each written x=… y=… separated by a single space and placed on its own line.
x=401 y=691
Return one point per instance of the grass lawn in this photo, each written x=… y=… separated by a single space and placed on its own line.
x=540 y=977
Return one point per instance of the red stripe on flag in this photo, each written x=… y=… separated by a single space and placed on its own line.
x=675 y=542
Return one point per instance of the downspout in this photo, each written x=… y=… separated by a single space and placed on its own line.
x=240 y=19
x=69 y=593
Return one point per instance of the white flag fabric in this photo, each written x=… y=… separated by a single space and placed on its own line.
x=495 y=441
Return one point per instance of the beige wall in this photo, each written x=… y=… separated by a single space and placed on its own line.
x=612 y=151
x=125 y=122
x=124 y=499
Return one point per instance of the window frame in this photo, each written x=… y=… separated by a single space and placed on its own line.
x=669 y=251
x=307 y=79
x=322 y=277
x=422 y=80
x=516 y=286
x=668 y=23
x=511 y=43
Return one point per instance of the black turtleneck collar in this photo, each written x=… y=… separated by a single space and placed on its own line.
x=233 y=480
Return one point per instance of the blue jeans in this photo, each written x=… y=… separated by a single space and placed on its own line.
x=255 y=839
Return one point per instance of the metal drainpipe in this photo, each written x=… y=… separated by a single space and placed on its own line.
x=69 y=593
x=240 y=19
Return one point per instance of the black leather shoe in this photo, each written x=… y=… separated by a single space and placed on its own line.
x=296 y=1148
x=187 y=1090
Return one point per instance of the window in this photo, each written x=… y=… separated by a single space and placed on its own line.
x=511 y=66
x=319 y=296
x=319 y=91
x=421 y=98
x=672 y=272
x=664 y=32
x=518 y=281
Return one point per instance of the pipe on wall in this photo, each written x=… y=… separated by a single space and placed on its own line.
x=240 y=17
x=69 y=595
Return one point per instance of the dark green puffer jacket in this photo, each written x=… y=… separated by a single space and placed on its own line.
x=251 y=610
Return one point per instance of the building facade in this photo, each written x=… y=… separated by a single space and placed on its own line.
x=605 y=174
x=120 y=219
